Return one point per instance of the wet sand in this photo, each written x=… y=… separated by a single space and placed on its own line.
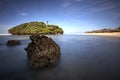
x=115 y=34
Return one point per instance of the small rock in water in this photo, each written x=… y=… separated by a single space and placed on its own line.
x=42 y=51
x=13 y=42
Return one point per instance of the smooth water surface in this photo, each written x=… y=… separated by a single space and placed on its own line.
x=82 y=58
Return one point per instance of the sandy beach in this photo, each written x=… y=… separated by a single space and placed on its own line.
x=115 y=34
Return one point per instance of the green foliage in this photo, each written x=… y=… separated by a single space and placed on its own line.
x=35 y=28
x=105 y=30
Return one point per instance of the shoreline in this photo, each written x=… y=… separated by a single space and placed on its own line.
x=5 y=34
x=113 y=34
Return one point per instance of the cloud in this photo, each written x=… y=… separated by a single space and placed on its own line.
x=98 y=7
x=3 y=29
x=68 y=3
x=115 y=15
x=23 y=14
x=78 y=0
x=91 y=9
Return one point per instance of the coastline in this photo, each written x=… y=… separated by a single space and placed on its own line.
x=113 y=34
x=5 y=34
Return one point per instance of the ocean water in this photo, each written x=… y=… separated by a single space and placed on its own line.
x=82 y=58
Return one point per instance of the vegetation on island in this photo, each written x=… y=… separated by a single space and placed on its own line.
x=35 y=28
x=105 y=30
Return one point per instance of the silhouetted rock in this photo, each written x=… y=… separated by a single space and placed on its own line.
x=42 y=51
x=13 y=42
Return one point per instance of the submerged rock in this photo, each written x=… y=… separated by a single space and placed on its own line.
x=42 y=51
x=13 y=42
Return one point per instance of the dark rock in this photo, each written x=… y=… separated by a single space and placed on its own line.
x=13 y=42
x=42 y=51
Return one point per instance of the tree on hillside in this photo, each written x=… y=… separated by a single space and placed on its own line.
x=35 y=28
x=105 y=30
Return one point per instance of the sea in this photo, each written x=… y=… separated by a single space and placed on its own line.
x=83 y=57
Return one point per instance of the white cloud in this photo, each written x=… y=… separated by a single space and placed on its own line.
x=78 y=0
x=23 y=14
x=3 y=29
x=67 y=3
x=115 y=15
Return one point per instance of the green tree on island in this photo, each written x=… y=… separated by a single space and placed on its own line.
x=105 y=30
x=37 y=28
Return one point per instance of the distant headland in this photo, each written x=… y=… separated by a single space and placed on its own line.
x=35 y=28
x=105 y=32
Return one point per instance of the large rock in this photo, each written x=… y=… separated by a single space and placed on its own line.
x=13 y=42
x=42 y=51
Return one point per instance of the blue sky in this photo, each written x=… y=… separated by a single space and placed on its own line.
x=71 y=15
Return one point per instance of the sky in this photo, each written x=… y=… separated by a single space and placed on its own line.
x=71 y=15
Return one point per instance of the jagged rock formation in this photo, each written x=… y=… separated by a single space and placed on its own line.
x=13 y=42
x=42 y=51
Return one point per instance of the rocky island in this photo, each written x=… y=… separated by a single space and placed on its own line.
x=42 y=51
x=35 y=28
x=13 y=42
